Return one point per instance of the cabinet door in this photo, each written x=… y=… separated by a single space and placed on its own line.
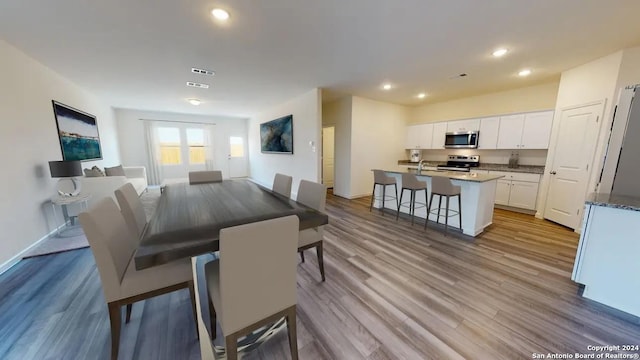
x=537 y=130
x=411 y=141
x=523 y=195
x=425 y=136
x=463 y=125
x=439 y=131
x=510 y=132
x=489 y=128
x=502 y=192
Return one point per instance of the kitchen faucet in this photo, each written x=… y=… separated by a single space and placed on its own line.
x=420 y=165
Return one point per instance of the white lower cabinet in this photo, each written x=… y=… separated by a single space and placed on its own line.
x=517 y=189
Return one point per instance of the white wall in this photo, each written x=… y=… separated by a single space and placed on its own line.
x=131 y=134
x=305 y=163
x=377 y=141
x=338 y=114
x=29 y=140
x=592 y=82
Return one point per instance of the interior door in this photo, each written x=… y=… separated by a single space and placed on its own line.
x=571 y=166
x=237 y=157
x=328 y=140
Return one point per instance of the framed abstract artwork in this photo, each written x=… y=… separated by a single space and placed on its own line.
x=77 y=132
x=276 y=136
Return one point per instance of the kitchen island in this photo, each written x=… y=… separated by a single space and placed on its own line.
x=478 y=193
x=607 y=258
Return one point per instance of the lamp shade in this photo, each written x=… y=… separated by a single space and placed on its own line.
x=61 y=169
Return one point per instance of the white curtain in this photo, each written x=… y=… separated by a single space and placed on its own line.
x=154 y=172
x=209 y=153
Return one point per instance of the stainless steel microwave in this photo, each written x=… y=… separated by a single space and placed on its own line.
x=462 y=140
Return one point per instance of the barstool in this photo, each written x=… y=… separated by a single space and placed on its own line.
x=410 y=182
x=379 y=178
x=442 y=186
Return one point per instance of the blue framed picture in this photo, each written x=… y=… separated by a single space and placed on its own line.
x=276 y=136
x=78 y=133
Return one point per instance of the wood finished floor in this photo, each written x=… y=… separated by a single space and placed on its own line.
x=392 y=292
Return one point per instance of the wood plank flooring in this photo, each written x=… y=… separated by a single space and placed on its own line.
x=392 y=292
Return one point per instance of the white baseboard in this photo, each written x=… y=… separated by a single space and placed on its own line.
x=16 y=259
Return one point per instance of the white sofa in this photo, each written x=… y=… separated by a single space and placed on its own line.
x=103 y=186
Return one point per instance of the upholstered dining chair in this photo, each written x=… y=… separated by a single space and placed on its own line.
x=282 y=184
x=132 y=209
x=113 y=245
x=253 y=283
x=203 y=177
x=313 y=195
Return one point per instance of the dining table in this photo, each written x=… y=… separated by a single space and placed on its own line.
x=187 y=224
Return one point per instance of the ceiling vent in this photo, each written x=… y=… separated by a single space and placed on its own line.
x=197 y=85
x=202 y=71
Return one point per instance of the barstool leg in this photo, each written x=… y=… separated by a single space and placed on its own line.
x=399 y=204
x=384 y=197
x=412 y=205
x=460 y=210
x=446 y=217
x=396 y=186
x=439 y=207
x=428 y=208
x=373 y=196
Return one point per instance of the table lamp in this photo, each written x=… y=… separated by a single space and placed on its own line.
x=66 y=170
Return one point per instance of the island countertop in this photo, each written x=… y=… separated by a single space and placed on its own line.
x=453 y=175
x=614 y=201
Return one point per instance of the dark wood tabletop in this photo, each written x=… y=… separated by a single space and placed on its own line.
x=188 y=218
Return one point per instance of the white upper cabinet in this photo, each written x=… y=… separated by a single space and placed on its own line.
x=489 y=128
x=439 y=131
x=537 y=130
x=510 y=132
x=419 y=136
x=463 y=125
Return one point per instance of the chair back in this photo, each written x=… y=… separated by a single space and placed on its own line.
x=257 y=271
x=203 y=177
x=282 y=184
x=443 y=186
x=112 y=244
x=410 y=181
x=312 y=194
x=379 y=177
x=132 y=209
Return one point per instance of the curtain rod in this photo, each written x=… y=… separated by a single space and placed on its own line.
x=180 y=122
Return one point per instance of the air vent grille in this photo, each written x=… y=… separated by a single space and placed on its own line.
x=202 y=71
x=197 y=85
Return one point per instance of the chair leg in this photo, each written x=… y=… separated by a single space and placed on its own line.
x=373 y=196
x=293 y=334
x=302 y=255
x=446 y=217
x=231 y=344
x=460 y=209
x=192 y=295
x=428 y=208
x=128 y=317
x=384 y=197
x=439 y=208
x=212 y=320
x=396 y=187
x=320 y=252
x=114 y=318
x=399 y=204
x=412 y=205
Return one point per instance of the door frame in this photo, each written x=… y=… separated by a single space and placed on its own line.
x=322 y=154
x=545 y=182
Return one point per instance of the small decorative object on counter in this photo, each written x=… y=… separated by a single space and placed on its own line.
x=513 y=160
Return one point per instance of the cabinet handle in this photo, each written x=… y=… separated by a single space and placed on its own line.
x=552 y=173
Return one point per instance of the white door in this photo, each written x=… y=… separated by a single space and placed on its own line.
x=510 y=133
x=237 y=157
x=537 y=130
x=328 y=138
x=571 y=167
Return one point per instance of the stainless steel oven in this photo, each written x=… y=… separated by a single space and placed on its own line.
x=462 y=140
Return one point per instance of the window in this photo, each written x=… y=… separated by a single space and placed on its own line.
x=169 y=141
x=195 y=140
x=236 y=146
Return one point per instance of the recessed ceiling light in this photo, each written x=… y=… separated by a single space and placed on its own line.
x=500 y=52
x=422 y=95
x=220 y=14
x=194 y=102
x=386 y=86
x=525 y=72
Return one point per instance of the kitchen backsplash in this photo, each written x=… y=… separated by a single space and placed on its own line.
x=526 y=157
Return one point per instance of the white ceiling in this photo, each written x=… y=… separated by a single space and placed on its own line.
x=138 y=53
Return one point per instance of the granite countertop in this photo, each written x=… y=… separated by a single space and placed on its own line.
x=453 y=175
x=614 y=201
x=530 y=169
